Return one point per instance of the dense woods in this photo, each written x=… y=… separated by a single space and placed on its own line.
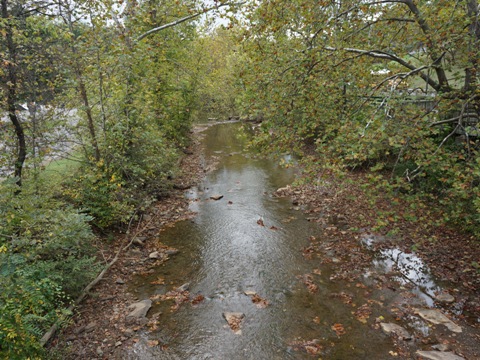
x=98 y=99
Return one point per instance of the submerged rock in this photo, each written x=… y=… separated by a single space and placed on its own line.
x=438 y=355
x=437 y=317
x=390 y=328
x=139 y=309
x=216 y=197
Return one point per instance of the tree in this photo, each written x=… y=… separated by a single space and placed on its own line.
x=384 y=84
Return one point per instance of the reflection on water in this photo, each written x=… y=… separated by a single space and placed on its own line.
x=411 y=269
x=225 y=252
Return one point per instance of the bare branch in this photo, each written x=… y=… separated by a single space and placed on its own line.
x=186 y=18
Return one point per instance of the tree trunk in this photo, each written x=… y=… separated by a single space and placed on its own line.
x=11 y=87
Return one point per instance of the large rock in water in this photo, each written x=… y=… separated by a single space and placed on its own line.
x=139 y=309
x=438 y=355
x=437 y=317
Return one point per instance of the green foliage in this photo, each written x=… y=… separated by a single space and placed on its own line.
x=46 y=259
x=384 y=87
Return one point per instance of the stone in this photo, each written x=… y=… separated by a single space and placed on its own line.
x=154 y=255
x=118 y=343
x=129 y=332
x=172 y=252
x=139 y=309
x=438 y=355
x=138 y=242
x=441 y=347
x=216 y=197
x=90 y=327
x=437 y=317
x=390 y=328
x=445 y=298
x=120 y=281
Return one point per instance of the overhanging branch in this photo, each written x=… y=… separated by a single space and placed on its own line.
x=378 y=54
x=186 y=18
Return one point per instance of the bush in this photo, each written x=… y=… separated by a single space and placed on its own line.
x=46 y=259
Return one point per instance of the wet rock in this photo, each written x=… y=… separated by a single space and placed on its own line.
x=438 y=355
x=120 y=281
x=139 y=309
x=390 y=328
x=216 y=197
x=445 y=298
x=154 y=255
x=437 y=317
x=172 y=252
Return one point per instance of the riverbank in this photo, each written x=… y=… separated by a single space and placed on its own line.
x=99 y=328
x=415 y=264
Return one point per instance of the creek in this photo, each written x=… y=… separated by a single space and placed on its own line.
x=226 y=251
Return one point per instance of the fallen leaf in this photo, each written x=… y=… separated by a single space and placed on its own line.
x=338 y=328
x=310 y=347
x=234 y=320
x=317 y=271
x=316 y=320
x=259 y=302
x=363 y=313
x=158 y=281
x=197 y=299
x=273 y=228
x=260 y=222
x=152 y=343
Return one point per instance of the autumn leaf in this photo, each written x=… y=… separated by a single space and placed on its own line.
x=158 y=281
x=197 y=299
x=338 y=328
x=152 y=343
x=260 y=222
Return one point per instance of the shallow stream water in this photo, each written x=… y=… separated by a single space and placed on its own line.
x=225 y=252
